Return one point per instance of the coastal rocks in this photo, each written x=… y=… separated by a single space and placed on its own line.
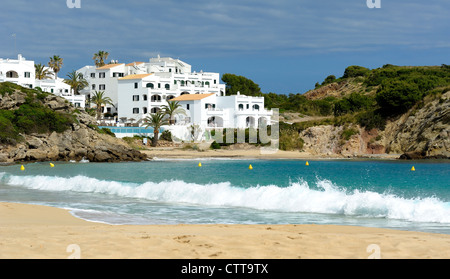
x=424 y=130
x=82 y=140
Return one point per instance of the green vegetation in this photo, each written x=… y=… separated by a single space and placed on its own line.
x=373 y=95
x=31 y=117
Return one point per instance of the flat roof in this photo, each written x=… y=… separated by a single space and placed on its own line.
x=191 y=97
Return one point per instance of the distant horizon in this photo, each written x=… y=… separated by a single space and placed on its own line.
x=285 y=46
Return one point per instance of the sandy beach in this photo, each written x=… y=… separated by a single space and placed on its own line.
x=40 y=232
x=248 y=152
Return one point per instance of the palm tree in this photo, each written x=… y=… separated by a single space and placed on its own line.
x=41 y=72
x=99 y=99
x=155 y=120
x=100 y=58
x=56 y=64
x=76 y=81
x=173 y=108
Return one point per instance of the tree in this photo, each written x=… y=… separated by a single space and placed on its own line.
x=329 y=79
x=76 y=81
x=56 y=64
x=172 y=109
x=397 y=96
x=100 y=58
x=156 y=120
x=355 y=71
x=99 y=99
x=41 y=72
x=242 y=84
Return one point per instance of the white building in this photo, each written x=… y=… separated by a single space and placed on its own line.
x=22 y=72
x=139 y=88
x=212 y=111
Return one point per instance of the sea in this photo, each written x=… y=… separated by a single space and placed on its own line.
x=369 y=193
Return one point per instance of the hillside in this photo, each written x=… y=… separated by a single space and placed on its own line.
x=39 y=126
x=388 y=110
x=392 y=110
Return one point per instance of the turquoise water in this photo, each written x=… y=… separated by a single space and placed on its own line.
x=365 y=193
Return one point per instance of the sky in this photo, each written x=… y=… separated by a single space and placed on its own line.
x=284 y=46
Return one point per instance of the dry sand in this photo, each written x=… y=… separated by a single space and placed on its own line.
x=32 y=231
x=243 y=153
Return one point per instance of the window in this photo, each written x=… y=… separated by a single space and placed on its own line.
x=215 y=81
x=144 y=109
x=135 y=110
x=159 y=85
x=27 y=74
x=12 y=74
x=101 y=75
x=167 y=86
x=136 y=85
x=77 y=105
x=256 y=107
x=66 y=90
x=187 y=106
x=241 y=107
x=102 y=87
x=248 y=106
x=145 y=97
x=117 y=74
x=92 y=75
x=135 y=98
x=93 y=86
x=150 y=85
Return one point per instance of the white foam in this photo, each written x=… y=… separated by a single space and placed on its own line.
x=323 y=197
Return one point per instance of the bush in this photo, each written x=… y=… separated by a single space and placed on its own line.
x=355 y=71
x=348 y=133
x=215 y=145
x=396 y=97
x=371 y=119
x=166 y=135
x=290 y=140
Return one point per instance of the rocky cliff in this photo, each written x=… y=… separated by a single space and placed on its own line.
x=422 y=132
x=81 y=140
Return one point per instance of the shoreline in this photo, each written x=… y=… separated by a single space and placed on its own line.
x=42 y=232
x=251 y=153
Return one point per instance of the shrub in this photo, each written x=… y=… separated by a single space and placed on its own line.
x=166 y=135
x=348 y=133
x=355 y=71
x=371 y=119
x=396 y=97
x=215 y=145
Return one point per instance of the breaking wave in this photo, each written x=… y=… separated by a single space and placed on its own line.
x=322 y=197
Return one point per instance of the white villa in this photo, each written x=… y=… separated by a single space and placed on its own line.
x=22 y=72
x=140 y=88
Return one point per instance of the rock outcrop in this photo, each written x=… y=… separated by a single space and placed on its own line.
x=81 y=141
x=423 y=132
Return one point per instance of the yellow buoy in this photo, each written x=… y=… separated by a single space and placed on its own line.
x=307 y=164
x=250 y=167
x=22 y=168
x=52 y=165
x=199 y=164
x=413 y=169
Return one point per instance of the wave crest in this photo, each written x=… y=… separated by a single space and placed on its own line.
x=323 y=197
